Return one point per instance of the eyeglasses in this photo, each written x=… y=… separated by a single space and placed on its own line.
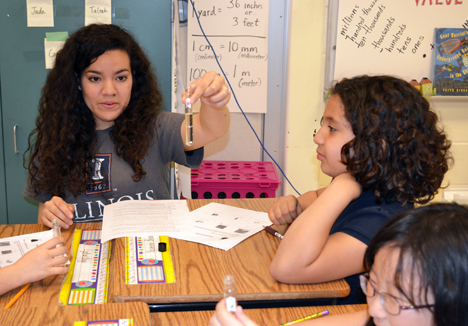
x=388 y=301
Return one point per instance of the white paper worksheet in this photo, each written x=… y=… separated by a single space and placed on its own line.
x=143 y=217
x=222 y=226
x=217 y=225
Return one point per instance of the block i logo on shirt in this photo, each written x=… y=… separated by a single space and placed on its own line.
x=100 y=180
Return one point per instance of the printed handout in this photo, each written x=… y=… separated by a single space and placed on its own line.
x=217 y=225
x=222 y=226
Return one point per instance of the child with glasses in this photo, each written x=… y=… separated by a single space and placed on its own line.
x=390 y=303
x=417 y=273
x=418 y=268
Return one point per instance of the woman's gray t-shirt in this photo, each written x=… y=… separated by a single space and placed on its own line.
x=111 y=180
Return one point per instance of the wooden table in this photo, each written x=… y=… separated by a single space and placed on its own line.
x=275 y=316
x=45 y=292
x=55 y=315
x=199 y=270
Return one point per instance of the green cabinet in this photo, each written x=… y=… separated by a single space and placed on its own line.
x=22 y=75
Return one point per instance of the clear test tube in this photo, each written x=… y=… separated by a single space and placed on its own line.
x=230 y=293
x=188 y=119
x=56 y=229
x=57 y=233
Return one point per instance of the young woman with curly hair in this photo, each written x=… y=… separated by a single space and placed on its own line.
x=382 y=145
x=101 y=135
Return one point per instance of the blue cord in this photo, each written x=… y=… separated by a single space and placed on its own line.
x=235 y=98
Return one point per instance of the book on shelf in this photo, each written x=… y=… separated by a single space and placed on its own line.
x=451 y=61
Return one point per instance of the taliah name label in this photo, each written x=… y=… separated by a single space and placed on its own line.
x=98 y=10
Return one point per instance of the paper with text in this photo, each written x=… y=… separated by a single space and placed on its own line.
x=222 y=226
x=51 y=49
x=393 y=37
x=216 y=225
x=40 y=13
x=98 y=12
x=238 y=33
x=143 y=217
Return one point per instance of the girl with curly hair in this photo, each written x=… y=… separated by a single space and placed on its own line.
x=382 y=145
x=416 y=273
x=101 y=135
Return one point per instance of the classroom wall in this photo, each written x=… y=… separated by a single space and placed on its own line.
x=305 y=104
x=304 y=93
x=453 y=112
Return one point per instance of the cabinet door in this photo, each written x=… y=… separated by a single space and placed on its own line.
x=3 y=208
x=22 y=75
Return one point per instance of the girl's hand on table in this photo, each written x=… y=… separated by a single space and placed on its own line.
x=56 y=208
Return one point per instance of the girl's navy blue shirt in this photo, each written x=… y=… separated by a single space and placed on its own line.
x=362 y=219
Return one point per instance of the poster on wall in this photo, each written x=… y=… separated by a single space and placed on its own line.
x=237 y=31
x=451 y=61
x=394 y=37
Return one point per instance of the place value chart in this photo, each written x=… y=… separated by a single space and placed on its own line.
x=395 y=37
x=238 y=33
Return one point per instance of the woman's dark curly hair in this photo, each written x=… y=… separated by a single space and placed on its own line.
x=63 y=141
x=399 y=152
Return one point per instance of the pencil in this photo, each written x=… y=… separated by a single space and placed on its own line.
x=273 y=232
x=16 y=297
x=319 y=314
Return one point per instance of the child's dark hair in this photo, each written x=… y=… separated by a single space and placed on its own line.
x=62 y=144
x=433 y=241
x=399 y=152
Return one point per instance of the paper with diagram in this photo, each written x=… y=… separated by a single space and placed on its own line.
x=222 y=226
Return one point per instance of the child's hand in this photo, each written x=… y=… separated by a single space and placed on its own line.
x=56 y=208
x=42 y=261
x=222 y=317
x=284 y=210
x=210 y=89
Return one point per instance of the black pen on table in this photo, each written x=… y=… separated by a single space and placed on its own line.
x=273 y=232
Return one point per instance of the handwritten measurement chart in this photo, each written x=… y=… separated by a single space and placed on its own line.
x=89 y=282
x=238 y=33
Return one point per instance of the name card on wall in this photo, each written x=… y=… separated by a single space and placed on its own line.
x=40 y=13
x=53 y=43
x=98 y=12
x=238 y=33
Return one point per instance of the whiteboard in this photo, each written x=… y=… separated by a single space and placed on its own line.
x=393 y=37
